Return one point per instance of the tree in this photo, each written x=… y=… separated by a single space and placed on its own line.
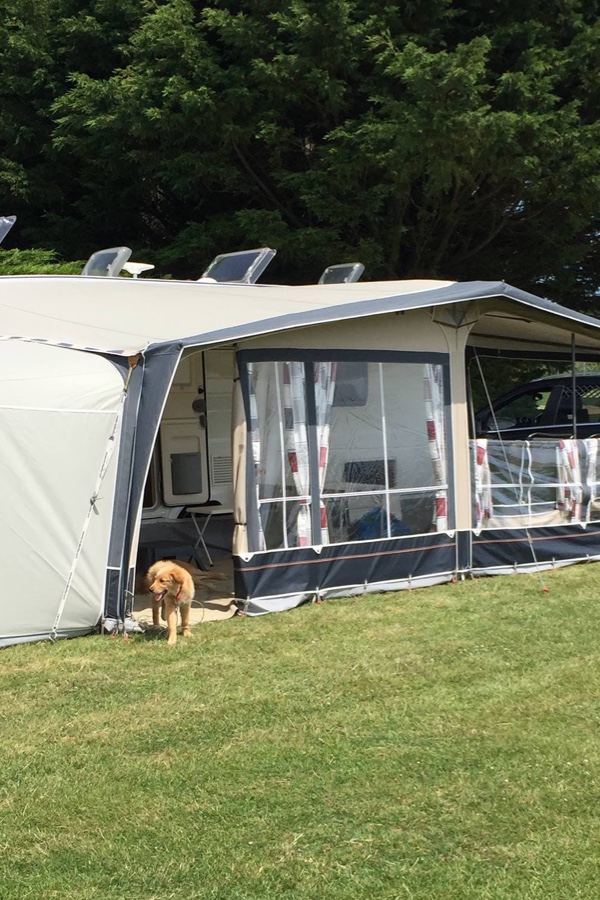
x=42 y=43
x=427 y=139
x=36 y=262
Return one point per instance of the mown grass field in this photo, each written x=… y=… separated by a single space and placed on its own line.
x=442 y=743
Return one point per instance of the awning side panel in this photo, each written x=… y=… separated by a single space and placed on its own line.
x=59 y=419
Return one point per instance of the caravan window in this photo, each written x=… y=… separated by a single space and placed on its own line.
x=330 y=466
x=351 y=384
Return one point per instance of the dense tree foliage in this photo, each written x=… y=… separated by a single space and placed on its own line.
x=36 y=262
x=442 y=138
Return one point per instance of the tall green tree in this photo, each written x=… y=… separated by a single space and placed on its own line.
x=43 y=45
x=432 y=139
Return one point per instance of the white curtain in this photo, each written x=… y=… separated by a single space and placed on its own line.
x=483 y=487
x=258 y=401
x=325 y=374
x=570 y=488
x=296 y=441
x=591 y=447
x=436 y=434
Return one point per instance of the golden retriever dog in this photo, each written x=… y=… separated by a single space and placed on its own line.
x=200 y=577
x=173 y=588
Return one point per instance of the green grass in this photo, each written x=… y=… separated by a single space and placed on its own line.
x=441 y=743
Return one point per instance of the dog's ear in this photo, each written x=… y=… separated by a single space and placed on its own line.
x=178 y=580
x=152 y=574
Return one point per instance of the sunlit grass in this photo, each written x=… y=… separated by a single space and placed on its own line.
x=436 y=743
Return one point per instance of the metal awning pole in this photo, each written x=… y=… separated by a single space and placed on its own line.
x=574 y=386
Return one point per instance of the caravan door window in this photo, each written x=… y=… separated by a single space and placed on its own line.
x=327 y=467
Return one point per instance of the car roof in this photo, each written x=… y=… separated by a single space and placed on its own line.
x=565 y=377
x=590 y=378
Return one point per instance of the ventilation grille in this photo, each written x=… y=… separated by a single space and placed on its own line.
x=222 y=470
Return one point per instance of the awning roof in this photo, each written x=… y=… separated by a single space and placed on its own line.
x=124 y=316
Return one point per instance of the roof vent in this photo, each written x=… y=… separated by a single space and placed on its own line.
x=107 y=263
x=243 y=267
x=342 y=274
x=6 y=223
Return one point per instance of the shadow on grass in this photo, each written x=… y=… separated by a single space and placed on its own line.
x=157 y=635
x=151 y=635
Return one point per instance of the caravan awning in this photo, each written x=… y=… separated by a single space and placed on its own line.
x=124 y=316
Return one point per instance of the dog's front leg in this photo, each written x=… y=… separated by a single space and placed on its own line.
x=185 y=620
x=156 y=606
x=171 y=616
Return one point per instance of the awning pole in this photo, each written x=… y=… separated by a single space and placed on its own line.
x=574 y=386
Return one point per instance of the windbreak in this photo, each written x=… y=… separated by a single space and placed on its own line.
x=521 y=484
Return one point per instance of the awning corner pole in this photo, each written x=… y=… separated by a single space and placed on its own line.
x=574 y=384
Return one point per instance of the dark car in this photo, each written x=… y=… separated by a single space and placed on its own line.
x=544 y=408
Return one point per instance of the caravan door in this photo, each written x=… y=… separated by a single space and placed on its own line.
x=183 y=439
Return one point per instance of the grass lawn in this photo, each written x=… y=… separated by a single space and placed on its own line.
x=441 y=743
